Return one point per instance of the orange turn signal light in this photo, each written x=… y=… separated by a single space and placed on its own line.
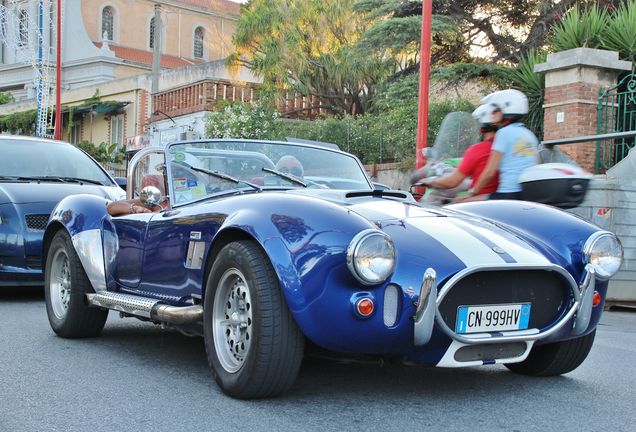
x=596 y=299
x=365 y=307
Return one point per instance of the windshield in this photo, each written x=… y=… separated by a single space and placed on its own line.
x=202 y=169
x=457 y=132
x=48 y=160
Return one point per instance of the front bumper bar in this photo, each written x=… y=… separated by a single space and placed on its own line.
x=427 y=312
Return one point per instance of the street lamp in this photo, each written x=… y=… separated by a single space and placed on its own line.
x=161 y=112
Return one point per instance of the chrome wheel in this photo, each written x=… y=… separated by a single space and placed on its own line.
x=60 y=283
x=232 y=317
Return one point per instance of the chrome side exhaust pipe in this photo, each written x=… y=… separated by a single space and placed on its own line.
x=177 y=315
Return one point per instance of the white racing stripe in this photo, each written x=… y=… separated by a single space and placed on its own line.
x=510 y=244
x=462 y=244
x=470 y=248
x=393 y=209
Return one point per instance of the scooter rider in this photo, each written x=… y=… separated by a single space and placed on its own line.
x=474 y=158
x=514 y=148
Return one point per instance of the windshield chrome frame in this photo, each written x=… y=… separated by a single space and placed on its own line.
x=240 y=190
x=134 y=161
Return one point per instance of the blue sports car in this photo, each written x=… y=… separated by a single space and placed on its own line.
x=266 y=246
x=35 y=174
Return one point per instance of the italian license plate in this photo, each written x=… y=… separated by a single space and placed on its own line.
x=503 y=317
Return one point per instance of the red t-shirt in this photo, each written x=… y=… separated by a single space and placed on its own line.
x=473 y=163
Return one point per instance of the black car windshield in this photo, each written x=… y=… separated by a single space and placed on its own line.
x=48 y=161
x=269 y=165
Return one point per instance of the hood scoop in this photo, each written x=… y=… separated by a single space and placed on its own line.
x=378 y=194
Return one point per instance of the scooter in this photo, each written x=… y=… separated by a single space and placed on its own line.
x=561 y=184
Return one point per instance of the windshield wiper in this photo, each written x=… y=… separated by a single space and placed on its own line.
x=69 y=180
x=227 y=177
x=77 y=180
x=33 y=178
x=289 y=177
x=58 y=179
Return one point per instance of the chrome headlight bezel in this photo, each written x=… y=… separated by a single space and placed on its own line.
x=354 y=254
x=590 y=249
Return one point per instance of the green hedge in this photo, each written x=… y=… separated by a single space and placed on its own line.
x=375 y=138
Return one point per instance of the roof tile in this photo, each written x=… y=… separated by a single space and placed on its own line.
x=226 y=6
x=134 y=55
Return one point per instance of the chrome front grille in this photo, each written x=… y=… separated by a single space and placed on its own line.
x=36 y=222
x=547 y=291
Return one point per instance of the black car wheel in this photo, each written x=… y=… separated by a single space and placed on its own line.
x=65 y=286
x=555 y=358
x=252 y=342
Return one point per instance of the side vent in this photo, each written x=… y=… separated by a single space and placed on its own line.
x=391 y=305
x=194 y=259
x=36 y=222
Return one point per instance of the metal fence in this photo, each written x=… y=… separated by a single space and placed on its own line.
x=603 y=141
x=616 y=113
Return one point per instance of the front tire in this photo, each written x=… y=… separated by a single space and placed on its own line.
x=555 y=358
x=65 y=289
x=252 y=342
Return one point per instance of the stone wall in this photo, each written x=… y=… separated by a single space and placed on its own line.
x=611 y=204
x=390 y=175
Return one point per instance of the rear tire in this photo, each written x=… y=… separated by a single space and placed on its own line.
x=65 y=289
x=555 y=358
x=252 y=342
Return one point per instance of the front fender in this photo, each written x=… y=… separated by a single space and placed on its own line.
x=306 y=245
x=82 y=217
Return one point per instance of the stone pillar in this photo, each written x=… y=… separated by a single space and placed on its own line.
x=572 y=82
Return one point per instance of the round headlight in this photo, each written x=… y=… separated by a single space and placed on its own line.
x=371 y=257
x=604 y=251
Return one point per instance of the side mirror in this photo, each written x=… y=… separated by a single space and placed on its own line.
x=150 y=196
x=121 y=181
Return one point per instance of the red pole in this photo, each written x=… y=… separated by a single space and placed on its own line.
x=58 y=75
x=425 y=68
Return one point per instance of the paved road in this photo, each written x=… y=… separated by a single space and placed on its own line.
x=138 y=377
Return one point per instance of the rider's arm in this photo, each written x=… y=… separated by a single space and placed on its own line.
x=489 y=172
x=449 y=181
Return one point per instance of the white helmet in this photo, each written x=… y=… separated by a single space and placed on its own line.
x=484 y=114
x=510 y=102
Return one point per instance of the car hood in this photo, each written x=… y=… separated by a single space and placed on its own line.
x=471 y=240
x=34 y=192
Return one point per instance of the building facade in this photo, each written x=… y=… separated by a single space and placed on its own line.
x=105 y=40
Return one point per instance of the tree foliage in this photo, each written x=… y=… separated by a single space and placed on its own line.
x=308 y=46
x=620 y=34
x=612 y=28
x=387 y=136
x=104 y=153
x=463 y=30
x=395 y=32
x=505 y=29
x=6 y=98
x=22 y=122
x=242 y=120
x=580 y=28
